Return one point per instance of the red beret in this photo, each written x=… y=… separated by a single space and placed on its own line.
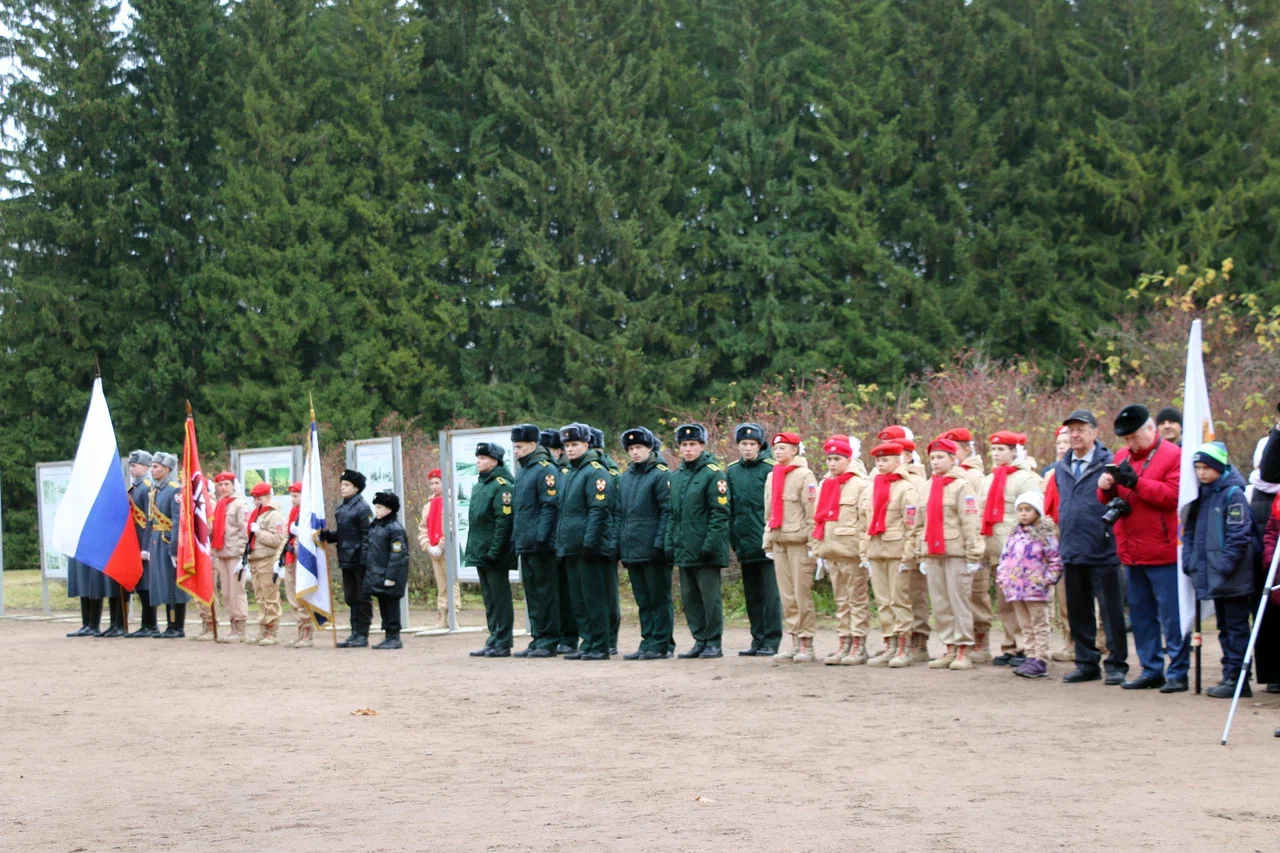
x=889 y=448
x=225 y=477
x=892 y=433
x=907 y=444
x=839 y=445
x=296 y=488
x=946 y=445
x=959 y=434
x=260 y=490
x=1007 y=438
x=1062 y=430
x=787 y=438
x=434 y=474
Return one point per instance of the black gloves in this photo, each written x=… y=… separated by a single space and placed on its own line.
x=1126 y=476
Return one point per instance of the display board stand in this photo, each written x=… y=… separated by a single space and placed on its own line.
x=51 y=486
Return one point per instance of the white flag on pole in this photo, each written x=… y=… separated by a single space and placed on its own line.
x=1197 y=424
x=312 y=580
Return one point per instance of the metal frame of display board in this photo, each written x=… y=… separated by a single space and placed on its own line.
x=41 y=467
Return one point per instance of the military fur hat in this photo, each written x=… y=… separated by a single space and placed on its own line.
x=550 y=439
x=691 y=432
x=525 y=432
x=355 y=478
x=597 y=439
x=575 y=432
x=388 y=499
x=749 y=432
x=639 y=435
x=493 y=451
x=139 y=457
x=168 y=460
x=1131 y=419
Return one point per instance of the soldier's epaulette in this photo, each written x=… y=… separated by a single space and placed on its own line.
x=544 y=463
x=713 y=466
x=564 y=470
x=595 y=464
x=769 y=461
x=613 y=473
x=662 y=466
x=175 y=484
x=731 y=464
x=146 y=481
x=501 y=481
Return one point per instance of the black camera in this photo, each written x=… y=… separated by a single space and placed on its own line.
x=1117 y=508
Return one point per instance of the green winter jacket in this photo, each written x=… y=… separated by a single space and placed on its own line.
x=698 y=523
x=643 y=501
x=746 y=510
x=586 y=509
x=489 y=522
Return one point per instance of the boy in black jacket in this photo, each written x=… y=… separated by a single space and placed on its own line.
x=387 y=571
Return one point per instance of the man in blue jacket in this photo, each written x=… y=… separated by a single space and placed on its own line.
x=1091 y=568
x=1217 y=552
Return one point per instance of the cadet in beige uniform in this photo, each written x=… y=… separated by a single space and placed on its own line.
x=971 y=465
x=228 y=536
x=789 y=508
x=1010 y=476
x=948 y=538
x=888 y=510
x=917 y=583
x=267 y=536
x=836 y=541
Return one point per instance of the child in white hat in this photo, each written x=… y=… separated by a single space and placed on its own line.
x=1029 y=566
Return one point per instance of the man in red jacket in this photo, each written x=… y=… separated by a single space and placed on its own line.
x=1145 y=476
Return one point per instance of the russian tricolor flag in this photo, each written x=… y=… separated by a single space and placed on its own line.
x=94 y=524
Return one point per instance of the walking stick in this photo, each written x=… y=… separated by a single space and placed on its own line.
x=1253 y=639
x=1197 y=640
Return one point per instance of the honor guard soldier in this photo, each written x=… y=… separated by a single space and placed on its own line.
x=289 y=560
x=490 y=548
x=697 y=540
x=792 y=495
x=550 y=439
x=227 y=539
x=90 y=586
x=387 y=572
x=585 y=540
x=1012 y=474
x=267 y=536
x=836 y=541
x=140 y=484
x=644 y=494
x=352 y=519
x=537 y=509
x=746 y=476
x=163 y=546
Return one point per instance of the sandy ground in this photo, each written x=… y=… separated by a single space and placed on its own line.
x=184 y=746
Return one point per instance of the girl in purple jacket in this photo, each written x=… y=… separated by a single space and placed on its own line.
x=1029 y=565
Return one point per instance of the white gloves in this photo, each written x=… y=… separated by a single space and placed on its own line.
x=866 y=564
x=922 y=571
x=242 y=571
x=388 y=582
x=972 y=568
x=253 y=528
x=822 y=570
x=293 y=529
x=811 y=554
x=146 y=555
x=435 y=550
x=769 y=554
x=903 y=567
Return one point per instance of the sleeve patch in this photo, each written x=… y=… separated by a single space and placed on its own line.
x=599 y=497
x=813 y=491
x=970 y=505
x=371 y=518
x=397 y=546
x=909 y=515
x=506 y=499
x=550 y=480
x=722 y=487
x=601 y=484
x=722 y=500
x=1235 y=515
x=506 y=510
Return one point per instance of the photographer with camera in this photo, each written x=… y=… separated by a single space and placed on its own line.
x=1144 y=477
x=1091 y=569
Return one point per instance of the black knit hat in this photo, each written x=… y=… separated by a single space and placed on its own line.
x=1131 y=419
x=1169 y=413
x=550 y=439
x=749 y=432
x=355 y=478
x=525 y=432
x=639 y=435
x=388 y=499
x=493 y=451
x=691 y=432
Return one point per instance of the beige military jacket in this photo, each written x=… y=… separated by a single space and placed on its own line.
x=799 y=500
x=842 y=536
x=269 y=539
x=237 y=531
x=897 y=541
x=960 y=520
x=1019 y=482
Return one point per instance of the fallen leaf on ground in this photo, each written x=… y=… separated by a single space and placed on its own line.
x=701 y=799
x=364 y=712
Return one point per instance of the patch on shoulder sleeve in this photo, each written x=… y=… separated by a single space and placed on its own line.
x=909 y=516
x=970 y=505
x=1235 y=515
x=397 y=546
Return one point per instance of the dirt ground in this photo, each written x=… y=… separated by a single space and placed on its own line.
x=183 y=746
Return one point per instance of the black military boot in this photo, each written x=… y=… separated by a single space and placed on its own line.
x=391 y=641
x=179 y=621
x=114 y=613
x=95 y=618
x=355 y=641
x=83 y=630
x=695 y=650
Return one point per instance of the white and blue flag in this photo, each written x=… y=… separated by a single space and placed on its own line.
x=312 y=576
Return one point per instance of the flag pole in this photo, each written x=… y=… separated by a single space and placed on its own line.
x=333 y=602
x=1253 y=640
x=124 y=609
x=1197 y=640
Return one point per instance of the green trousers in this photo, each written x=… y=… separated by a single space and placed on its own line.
x=651 y=584
x=615 y=606
x=589 y=589
x=764 y=605
x=703 y=609
x=495 y=589
x=542 y=598
x=568 y=622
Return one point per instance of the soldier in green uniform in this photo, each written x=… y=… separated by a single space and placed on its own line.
x=697 y=539
x=746 y=478
x=643 y=497
x=537 y=505
x=585 y=540
x=611 y=576
x=550 y=439
x=489 y=546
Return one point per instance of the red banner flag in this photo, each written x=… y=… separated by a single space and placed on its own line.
x=195 y=566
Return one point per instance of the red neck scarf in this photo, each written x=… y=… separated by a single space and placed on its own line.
x=1051 y=499
x=435 y=520
x=934 y=529
x=780 y=473
x=289 y=555
x=880 y=502
x=994 y=513
x=253 y=516
x=829 y=502
x=219 y=537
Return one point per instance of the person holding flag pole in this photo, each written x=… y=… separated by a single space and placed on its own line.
x=195 y=560
x=311 y=583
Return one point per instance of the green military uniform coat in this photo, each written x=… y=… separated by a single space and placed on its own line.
x=491 y=551
x=746 y=532
x=644 y=495
x=585 y=540
x=697 y=541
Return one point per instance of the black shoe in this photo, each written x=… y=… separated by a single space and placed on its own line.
x=1145 y=682
x=655 y=656
x=694 y=651
x=1114 y=678
x=523 y=653
x=748 y=653
x=541 y=653
x=765 y=652
x=82 y=631
x=1079 y=676
x=141 y=633
x=636 y=655
x=390 y=643
x=712 y=650
x=173 y=632
x=613 y=651
x=1005 y=659
x=495 y=652
x=562 y=649
x=1018 y=659
x=1273 y=688
x=576 y=654
x=1227 y=690
x=355 y=641
x=1174 y=685
x=113 y=631
x=595 y=656
x=478 y=653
